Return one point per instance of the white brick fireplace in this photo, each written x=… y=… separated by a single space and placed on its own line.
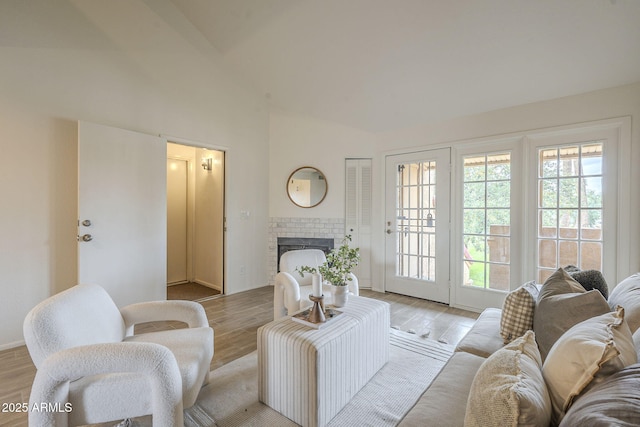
x=302 y=228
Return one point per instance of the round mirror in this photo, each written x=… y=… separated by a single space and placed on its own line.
x=306 y=187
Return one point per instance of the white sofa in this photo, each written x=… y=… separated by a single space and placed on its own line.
x=594 y=361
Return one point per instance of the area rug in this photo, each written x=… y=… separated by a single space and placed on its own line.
x=231 y=398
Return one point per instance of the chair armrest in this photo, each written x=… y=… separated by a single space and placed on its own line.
x=51 y=383
x=286 y=298
x=190 y=312
x=353 y=284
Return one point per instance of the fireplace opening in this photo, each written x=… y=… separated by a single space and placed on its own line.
x=286 y=244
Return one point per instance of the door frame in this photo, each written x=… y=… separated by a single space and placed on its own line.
x=225 y=150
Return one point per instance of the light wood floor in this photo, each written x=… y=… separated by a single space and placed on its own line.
x=235 y=320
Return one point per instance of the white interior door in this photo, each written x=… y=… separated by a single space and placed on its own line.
x=122 y=212
x=417 y=224
x=177 y=182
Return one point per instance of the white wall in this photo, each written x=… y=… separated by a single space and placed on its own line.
x=208 y=222
x=297 y=141
x=130 y=64
x=38 y=218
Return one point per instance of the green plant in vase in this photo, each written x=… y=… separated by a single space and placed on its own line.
x=337 y=268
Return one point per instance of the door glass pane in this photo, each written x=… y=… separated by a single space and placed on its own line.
x=547 y=223
x=416 y=220
x=548 y=163
x=548 y=193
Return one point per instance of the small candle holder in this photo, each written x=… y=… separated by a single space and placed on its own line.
x=316 y=315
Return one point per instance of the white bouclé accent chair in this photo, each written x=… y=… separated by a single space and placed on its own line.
x=292 y=290
x=90 y=365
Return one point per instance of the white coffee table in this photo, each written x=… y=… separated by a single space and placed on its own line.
x=309 y=375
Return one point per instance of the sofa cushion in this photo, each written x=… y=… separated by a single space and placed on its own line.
x=627 y=295
x=444 y=403
x=483 y=339
x=587 y=353
x=563 y=303
x=517 y=312
x=615 y=401
x=508 y=389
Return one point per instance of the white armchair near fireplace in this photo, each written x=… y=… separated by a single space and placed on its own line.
x=291 y=290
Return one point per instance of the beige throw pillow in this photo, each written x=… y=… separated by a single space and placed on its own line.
x=517 y=312
x=627 y=295
x=562 y=303
x=587 y=353
x=508 y=389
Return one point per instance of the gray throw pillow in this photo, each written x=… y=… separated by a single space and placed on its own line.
x=589 y=279
x=615 y=401
x=563 y=303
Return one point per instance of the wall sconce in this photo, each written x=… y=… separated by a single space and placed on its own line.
x=206 y=164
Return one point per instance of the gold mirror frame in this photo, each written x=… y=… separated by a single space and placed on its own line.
x=307 y=187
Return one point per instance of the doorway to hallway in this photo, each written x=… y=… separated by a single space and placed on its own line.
x=195 y=221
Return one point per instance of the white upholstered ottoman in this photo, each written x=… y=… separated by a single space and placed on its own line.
x=309 y=375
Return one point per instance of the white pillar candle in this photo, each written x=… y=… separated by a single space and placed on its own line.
x=316 y=284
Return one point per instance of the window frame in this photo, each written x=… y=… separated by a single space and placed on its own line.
x=469 y=296
x=615 y=190
x=484 y=207
x=616 y=134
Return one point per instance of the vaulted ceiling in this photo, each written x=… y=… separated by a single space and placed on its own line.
x=381 y=65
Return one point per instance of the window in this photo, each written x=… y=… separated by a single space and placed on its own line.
x=487 y=221
x=528 y=203
x=570 y=207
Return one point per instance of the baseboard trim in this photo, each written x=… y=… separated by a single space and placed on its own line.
x=11 y=345
x=208 y=285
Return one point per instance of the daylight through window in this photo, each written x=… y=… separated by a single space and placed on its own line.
x=486 y=221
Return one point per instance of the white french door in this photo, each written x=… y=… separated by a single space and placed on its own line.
x=122 y=208
x=417 y=200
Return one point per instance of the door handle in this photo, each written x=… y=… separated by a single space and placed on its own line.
x=86 y=237
x=389 y=231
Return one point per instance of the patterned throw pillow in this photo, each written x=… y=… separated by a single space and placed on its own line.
x=517 y=312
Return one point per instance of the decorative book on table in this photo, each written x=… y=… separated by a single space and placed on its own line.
x=330 y=313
